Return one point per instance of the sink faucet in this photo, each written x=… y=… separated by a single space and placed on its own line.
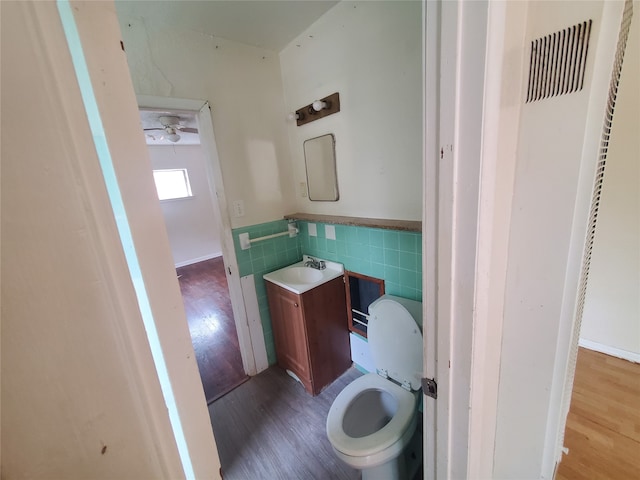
x=313 y=263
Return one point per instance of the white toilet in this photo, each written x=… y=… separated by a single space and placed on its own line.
x=372 y=422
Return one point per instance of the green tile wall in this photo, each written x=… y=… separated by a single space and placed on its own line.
x=394 y=256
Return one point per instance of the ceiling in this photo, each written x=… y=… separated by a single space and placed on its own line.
x=269 y=24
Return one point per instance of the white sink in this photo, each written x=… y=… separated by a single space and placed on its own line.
x=301 y=275
x=298 y=278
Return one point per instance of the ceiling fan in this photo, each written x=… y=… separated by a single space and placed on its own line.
x=171 y=126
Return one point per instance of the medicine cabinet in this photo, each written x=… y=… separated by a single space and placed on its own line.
x=320 y=162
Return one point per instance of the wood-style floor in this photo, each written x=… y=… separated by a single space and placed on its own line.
x=603 y=426
x=205 y=295
x=271 y=428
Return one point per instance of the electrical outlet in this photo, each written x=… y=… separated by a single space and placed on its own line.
x=238 y=208
x=303 y=189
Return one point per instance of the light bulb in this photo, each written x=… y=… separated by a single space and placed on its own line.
x=319 y=105
x=294 y=116
x=171 y=135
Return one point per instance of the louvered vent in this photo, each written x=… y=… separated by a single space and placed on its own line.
x=557 y=62
x=597 y=195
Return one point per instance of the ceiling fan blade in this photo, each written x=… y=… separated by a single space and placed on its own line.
x=147 y=129
x=188 y=129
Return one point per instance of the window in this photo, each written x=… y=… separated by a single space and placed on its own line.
x=173 y=183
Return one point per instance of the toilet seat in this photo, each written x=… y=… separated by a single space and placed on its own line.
x=374 y=419
x=390 y=435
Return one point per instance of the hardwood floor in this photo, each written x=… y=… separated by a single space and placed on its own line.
x=213 y=332
x=271 y=428
x=603 y=426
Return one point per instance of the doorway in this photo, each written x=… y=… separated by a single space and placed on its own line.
x=179 y=169
x=213 y=333
x=602 y=433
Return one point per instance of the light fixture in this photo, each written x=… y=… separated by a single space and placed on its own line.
x=171 y=135
x=320 y=108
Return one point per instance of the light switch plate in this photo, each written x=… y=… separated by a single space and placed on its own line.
x=313 y=231
x=330 y=232
x=238 y=208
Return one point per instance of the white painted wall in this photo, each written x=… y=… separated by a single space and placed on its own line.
x=77 y=370
x=111 y=82
x=612 y=306
x=368 y=51
x=371 y=53
x=191 y=222
x=244 y=88
x=555 y=159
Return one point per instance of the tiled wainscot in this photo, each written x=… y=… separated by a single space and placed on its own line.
x=392 y=255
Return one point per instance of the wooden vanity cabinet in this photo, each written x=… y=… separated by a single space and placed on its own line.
x=311 y=332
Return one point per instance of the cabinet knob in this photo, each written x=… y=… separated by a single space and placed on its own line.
x=295 y=304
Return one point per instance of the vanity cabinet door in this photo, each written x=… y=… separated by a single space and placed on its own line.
x=289 y=332
x=311 y=333
x=325 y=313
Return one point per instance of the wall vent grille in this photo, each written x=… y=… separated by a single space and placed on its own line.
x=557 y=63
x=595 y=203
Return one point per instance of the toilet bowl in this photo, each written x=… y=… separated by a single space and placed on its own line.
x=372 y=422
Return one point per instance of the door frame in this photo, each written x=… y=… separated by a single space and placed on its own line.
x=431 y=142
x=250 y=349
x=505 y=22
x=454 y=60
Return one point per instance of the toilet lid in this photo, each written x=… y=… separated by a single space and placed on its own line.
x=395 y=338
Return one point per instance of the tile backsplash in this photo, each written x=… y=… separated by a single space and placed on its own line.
x=395 y=256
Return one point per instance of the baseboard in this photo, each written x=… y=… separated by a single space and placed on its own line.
x=199 y=259
x=614 y=352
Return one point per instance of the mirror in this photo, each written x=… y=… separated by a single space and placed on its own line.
x=320 y=160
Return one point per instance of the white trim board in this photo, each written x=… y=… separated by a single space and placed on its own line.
x=170 y=103
x=255 y=322
x=608 y=350
x=191 y=261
